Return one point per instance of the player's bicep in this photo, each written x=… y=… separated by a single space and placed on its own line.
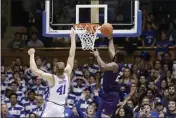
x=48 y=77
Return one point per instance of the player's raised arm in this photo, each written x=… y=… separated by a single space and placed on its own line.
x=110 y=66
x=48 y=77
x=70 y=61
x=111 y=47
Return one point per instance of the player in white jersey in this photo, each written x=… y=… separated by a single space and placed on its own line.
x=59 y=83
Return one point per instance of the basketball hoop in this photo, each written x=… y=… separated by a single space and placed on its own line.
x=87 y=33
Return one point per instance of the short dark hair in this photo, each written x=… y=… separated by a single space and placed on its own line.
x=31 y=91
x=13 y=94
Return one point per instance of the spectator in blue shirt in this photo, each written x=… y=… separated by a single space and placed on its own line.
x=148 y=36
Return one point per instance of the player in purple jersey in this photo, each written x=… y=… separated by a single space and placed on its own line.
x=110 y=96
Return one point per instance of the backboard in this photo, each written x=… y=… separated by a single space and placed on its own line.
x=59 y=16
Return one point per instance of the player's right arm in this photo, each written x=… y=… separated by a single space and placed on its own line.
x=47 y=76
x=110 y=66
x=111 y=48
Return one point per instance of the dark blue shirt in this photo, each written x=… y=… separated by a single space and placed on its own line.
x=149 y=37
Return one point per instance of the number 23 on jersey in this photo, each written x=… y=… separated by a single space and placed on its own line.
x=61 y=89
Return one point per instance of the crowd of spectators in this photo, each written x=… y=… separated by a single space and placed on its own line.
x=24 y=94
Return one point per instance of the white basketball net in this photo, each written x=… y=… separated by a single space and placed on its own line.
x=87 y=34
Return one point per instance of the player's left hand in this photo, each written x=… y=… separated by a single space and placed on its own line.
x=95 y=53
x=96 y=92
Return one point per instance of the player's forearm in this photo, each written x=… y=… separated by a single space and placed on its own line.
x=111 y=48
x=100 y=62
x=72 y=52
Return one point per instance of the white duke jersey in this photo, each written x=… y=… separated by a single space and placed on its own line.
x=59 y=92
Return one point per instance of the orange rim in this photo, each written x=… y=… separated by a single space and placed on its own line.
x=87 y=26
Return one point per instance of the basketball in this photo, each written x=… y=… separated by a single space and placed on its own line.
x=106 y=29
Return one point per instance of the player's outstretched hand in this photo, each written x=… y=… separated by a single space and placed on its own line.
x=72 y=33
x=95 y=53
x=31 y=51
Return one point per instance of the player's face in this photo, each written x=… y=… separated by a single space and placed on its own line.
x=121 y=112
x=60 y=68
x=172 y=106
x=90 y=110
x=4 y=109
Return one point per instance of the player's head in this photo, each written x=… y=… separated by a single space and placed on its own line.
x=119 y=57
x=60 y=66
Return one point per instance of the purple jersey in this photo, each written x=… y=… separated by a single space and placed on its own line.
x=110 y=97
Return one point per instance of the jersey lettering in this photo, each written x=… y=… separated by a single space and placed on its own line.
x=61 y=89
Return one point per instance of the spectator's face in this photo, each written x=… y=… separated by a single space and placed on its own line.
x=39 y=101
x=166 y=93
x=14 y=87
x=90 y=110
x=157 y=65
x=137 y=59
x=149 y=26
x=141 y=89
x=121 y=112
x=149 y=94
x=32 y=116
x=168 y=74
x=135 y=68
x=142 y=80
x=17 y=37
x=3 y=77
x=166 y=57
x=127 y=72
x=147 y=109
x=31 y=96
x=145 y=101
x=163 y=36
x=171 y=90
x=87 y=94
x=156 y=74
x=16 y=68
x=38 y=62
x=98 y=76
x=159 y=107
x=122 y=88
x=4 y=109
x=86 y=74
x=151 y=85
x=79 y=82
x=55 y=60
x=92 y=80
x=91 y=61
x=18 y=61
x=130 y=104
x=152 y=17
x=16 y=75
x=165 y=67
x=163 y=84
x=75 y=64
x=38 y=81
x=172 y=106
x=152 y=73
x=13 y=99
x=34 y=37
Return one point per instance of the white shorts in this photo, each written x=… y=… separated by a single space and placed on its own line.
x=52 y=110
